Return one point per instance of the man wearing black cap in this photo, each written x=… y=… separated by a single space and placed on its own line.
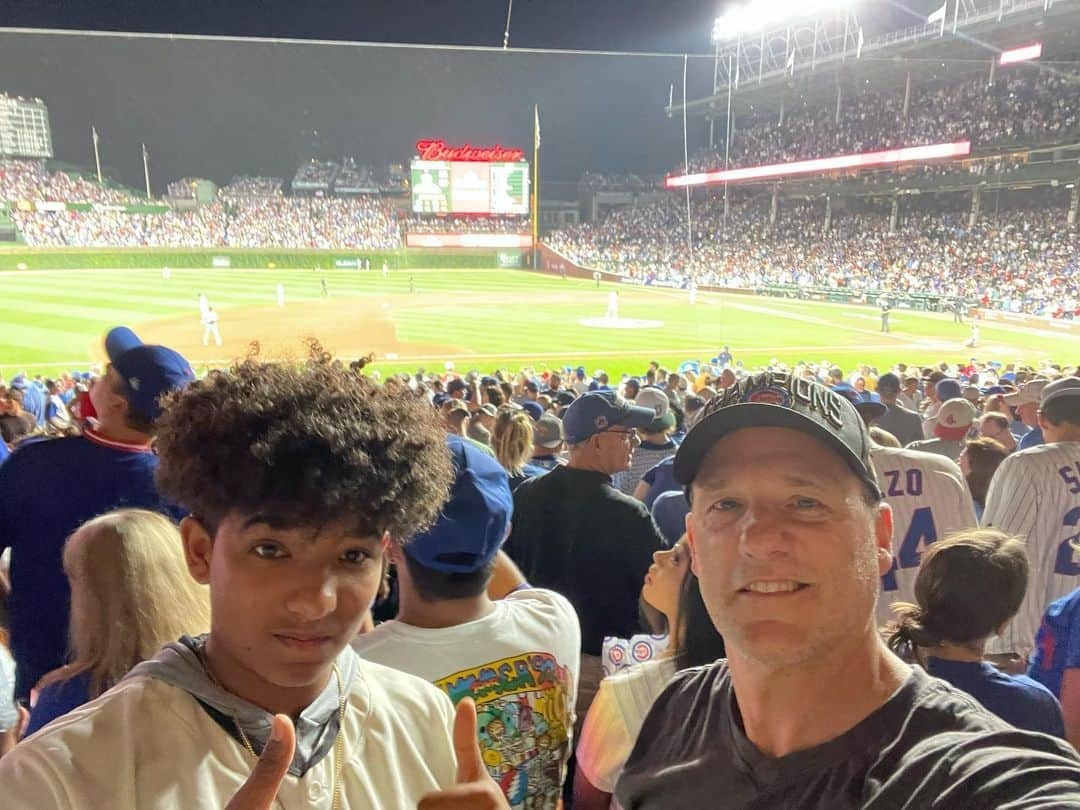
x=902 y=423
x=111 y=466
x=575 y=533
x=789 y=536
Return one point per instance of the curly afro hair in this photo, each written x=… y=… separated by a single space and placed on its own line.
x=310 y=444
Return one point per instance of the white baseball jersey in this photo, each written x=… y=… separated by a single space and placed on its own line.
x=929 y=500
x=1035 y=495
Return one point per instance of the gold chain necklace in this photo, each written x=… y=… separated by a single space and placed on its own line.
x=339 y=738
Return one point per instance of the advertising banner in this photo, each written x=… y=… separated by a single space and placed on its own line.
x=468 y=240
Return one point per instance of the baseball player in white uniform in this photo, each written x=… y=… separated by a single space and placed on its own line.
x=210 y=327
x=929 y=500
x=281 y=295
x=1035 y=494
x=612 y=305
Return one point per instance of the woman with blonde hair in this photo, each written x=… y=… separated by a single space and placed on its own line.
x=969 y=587
x=131 y=593
x=512 y=441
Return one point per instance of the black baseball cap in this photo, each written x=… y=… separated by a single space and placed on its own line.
x=779 y=399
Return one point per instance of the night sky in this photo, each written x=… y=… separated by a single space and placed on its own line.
x=214 y=109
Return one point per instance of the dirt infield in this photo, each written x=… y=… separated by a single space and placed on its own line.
x=345 y=328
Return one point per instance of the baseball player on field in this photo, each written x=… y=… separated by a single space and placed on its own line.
x=210 y=327
x=612 y=306
x=1035 y=494
x=929 y=500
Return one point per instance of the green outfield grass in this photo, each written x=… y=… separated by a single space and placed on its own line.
x=53 y=320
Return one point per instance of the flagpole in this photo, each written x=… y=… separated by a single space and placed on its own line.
x=536 y=185
x=97 y=154
x=146 y=170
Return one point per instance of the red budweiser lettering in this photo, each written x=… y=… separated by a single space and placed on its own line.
x=438 y=150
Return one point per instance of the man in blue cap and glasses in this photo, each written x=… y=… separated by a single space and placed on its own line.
x=470 y=624
x=113 y=467
x=576 y=533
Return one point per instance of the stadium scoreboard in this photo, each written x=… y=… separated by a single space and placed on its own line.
x=24 y=128
x=469 y=180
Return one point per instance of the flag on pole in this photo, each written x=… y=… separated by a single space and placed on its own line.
x=146 y=170
x=939 y=16
x=858 y=49
x=97 y=153
x=536 y=184
x=790 y=67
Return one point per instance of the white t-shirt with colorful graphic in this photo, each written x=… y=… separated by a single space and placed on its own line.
x=520 y=665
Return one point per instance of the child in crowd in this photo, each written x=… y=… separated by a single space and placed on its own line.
x=968 y=588
x=294 y=478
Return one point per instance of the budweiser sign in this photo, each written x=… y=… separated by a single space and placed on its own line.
x=438 y=150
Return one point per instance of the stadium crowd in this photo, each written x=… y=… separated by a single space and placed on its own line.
x=248 y=186
x=518 y=546
x=29 y=180
x=316 y=173
x=1022 y=109
x=249 y=212
x=1021 y=257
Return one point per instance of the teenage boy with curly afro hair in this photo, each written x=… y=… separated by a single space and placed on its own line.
x=295 y=478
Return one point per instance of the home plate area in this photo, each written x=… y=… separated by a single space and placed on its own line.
x=620 y=323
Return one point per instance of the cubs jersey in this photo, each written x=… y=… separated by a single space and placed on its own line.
x=929 y=500
x=1035 y=495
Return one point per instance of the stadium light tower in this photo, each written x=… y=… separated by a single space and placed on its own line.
x=759 y=15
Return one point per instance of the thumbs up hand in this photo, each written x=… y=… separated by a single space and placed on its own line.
x=475 y=789
x=261 y=787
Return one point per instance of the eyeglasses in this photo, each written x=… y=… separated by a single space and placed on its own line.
x=625 y=434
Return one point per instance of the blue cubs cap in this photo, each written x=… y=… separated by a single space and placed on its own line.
x=18 y=382
x=868 y=404
x=534 y=409
x=597 y=411
x=147 y=371
x=779 y=399
x=948 y=389
x=474 y=522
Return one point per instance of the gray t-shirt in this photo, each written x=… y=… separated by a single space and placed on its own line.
x=929 y=746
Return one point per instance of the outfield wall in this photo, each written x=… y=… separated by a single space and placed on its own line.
x=22 y=258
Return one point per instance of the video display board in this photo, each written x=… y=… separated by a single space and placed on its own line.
x=471 y=181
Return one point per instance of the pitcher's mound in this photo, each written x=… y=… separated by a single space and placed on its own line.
x=620 y=323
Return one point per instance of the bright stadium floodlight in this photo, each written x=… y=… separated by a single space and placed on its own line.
x=863 y=160
x=758 y=15
x=1024 y=54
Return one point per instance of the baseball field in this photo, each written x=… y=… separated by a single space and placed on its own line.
x=53 y=320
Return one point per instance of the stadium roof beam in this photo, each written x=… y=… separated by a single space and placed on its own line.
x=768 y=37
x=770 y=62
